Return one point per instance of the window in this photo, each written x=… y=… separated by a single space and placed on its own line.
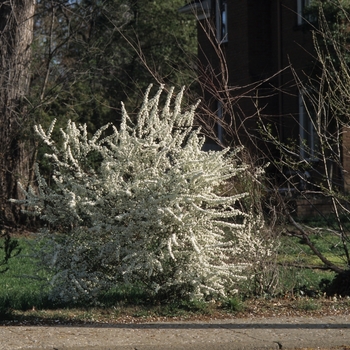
x=301 y=4
x=307 y=132
x=221 y=21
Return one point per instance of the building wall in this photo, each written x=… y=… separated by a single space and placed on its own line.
x=264 y=38
x=296 y=51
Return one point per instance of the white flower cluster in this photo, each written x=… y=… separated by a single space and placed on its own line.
x=140 y=204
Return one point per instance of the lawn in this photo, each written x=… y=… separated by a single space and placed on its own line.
x=22 y=286
x=24 y=291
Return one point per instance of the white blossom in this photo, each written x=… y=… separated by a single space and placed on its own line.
x=140 y=203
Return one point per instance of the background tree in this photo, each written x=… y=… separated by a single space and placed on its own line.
x=16 y=154
x=82 y=58
x=90 y=55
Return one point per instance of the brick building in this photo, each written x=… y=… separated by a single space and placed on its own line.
x=264 y=44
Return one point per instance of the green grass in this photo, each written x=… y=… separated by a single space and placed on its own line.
x=307 y=305
x=294 y=249
x=22 y=287
x=300 y=269
x=233 y=304
x=303 y=281
x=125 y=295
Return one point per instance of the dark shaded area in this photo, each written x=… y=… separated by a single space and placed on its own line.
x=340 y=285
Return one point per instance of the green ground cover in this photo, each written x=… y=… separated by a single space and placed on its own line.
x=294 y=249
x=301 y=269
x=22 y=287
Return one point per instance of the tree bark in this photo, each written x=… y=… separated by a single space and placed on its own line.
x=16 y=154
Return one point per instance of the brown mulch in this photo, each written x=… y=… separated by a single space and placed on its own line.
x=251 y=308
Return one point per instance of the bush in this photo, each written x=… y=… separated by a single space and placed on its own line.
x=141 y=204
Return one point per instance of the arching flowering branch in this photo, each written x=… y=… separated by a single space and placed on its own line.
x=148 y=210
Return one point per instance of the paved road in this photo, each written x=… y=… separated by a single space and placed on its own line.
x=233 y=334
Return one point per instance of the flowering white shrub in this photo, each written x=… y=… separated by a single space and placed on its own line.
x=145 y=210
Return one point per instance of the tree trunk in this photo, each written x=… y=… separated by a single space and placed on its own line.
x=16 y=155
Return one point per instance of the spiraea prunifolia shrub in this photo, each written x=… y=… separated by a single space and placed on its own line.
x=139 y=204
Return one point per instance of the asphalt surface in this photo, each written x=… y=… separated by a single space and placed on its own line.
x=232 y=334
